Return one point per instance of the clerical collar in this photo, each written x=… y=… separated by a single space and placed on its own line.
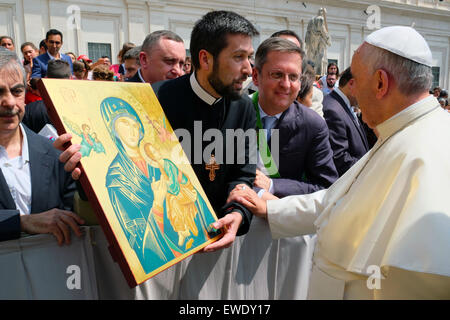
x=414 y=111
x=202 y=93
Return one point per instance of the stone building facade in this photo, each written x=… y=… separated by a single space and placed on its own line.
x=101 y=27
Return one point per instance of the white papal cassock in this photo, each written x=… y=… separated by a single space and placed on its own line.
x=390 y=210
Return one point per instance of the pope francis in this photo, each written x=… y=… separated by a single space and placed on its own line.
x=383 y=229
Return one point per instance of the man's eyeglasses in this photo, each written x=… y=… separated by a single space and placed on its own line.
x=54 y=42
x=278 y=76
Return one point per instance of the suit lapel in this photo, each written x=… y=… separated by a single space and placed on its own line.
x=344 y=106
x=134 y=78
x=354 y=120
x=283 y=124
x=6 y=200
x=362 y=134
x=40 y=163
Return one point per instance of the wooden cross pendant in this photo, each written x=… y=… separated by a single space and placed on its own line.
x=212 y=166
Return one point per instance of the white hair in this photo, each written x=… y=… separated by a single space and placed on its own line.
x=10 y=62
x=411 y=77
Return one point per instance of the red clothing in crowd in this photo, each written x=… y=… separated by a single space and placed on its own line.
x=31 y=97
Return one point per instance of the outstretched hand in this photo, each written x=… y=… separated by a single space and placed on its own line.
x=230 y=224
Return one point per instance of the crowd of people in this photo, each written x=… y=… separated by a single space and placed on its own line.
x=354 y=164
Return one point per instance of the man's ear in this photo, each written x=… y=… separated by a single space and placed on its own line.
x=143 y=59
x=351 y=86
x=255 y=77
x=382 y=82
x=206 y=60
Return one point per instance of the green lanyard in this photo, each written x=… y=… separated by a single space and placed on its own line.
x=266 y=156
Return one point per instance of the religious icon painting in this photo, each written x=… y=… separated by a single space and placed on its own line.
x=136 y=175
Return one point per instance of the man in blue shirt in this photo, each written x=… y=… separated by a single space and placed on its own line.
x=54 y=41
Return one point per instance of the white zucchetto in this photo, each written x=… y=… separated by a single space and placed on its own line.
x=403 y=41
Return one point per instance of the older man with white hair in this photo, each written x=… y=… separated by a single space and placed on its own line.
x=36 y=194
x=383 y=227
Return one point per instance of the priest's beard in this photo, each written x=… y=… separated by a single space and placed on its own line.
x=225 y=90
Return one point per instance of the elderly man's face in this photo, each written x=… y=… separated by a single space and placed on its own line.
x=361 y=89
x=165 y=61
x=12 y=100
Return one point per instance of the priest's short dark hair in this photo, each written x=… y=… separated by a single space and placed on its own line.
x=211 y=31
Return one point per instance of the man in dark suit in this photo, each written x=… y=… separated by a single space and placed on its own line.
x=347 y=136
x=54 y=41
x=36 y=194
x=36 y=116
x=305 y=157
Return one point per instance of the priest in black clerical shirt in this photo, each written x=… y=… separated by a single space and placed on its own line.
x=221 y=49
x=188 y=106
x=210 y=98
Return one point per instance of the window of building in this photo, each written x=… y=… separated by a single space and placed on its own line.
x=98 y=50
x=333 y=60
x=436 y=74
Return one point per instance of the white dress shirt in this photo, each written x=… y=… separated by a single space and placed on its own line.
x=18 y=176
x=140 y=75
